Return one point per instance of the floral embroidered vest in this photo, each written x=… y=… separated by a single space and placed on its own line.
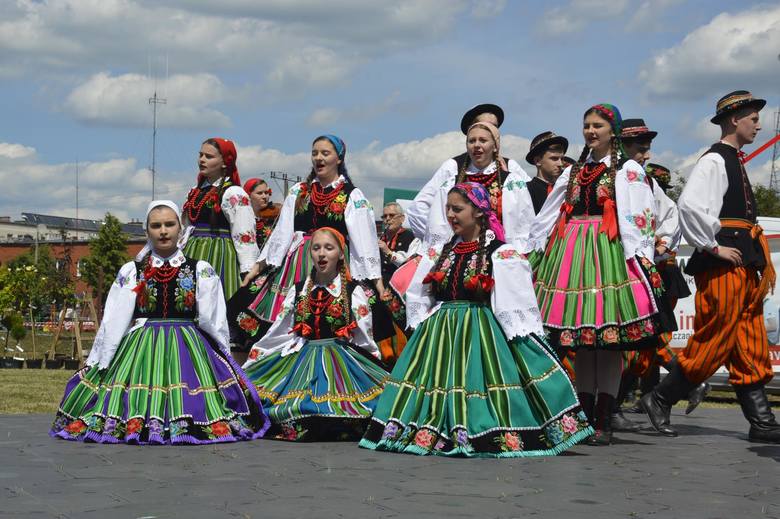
x=323 y=316
x=323 y=208
x=202 y=203
x=166 y=292
x=458 y=278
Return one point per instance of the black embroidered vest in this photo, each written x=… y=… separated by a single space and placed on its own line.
x=201 y=204
x=739 y=202
x=169 y=293
x=313 y=216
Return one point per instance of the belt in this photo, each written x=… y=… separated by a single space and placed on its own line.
x=768 y=275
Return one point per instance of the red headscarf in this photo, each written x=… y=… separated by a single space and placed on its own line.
x=228 y=151
x=251 y=184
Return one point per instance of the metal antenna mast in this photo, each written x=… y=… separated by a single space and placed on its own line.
x=774 y=182
x=154 y=101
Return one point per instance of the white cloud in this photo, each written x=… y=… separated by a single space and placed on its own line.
x=733 y=51
x=487 y=8
x=647 y=17
x=577 y=14
x=116 y=185
x=706 y=132
x=15 y=151
x=124 y=101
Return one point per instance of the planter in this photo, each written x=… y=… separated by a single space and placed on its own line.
x=11 y=363
x=53 y=363
x=72 y=364
x=33 y=363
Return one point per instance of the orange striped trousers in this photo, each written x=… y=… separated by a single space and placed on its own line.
x=640 y=362
x=728 y=328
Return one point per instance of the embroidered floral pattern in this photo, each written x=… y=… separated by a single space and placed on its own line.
x=609 y=335
x=509 y=254
x=511 y=185
x=644 y=221
x=291 y=432
x=208 y=272
x=238 y=200
x=121 y=280
x=424 y=439
x=633 y=175
x=184 y=294
x=509 y=441
x=361 y=204
x=248 y=323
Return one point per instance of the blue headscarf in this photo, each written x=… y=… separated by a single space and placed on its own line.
x=341 y=148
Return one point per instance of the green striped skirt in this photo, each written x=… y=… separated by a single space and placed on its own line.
x=460 y=389
x=168 y=383
x=216 y=247
x=591 y=296
x=325 y=391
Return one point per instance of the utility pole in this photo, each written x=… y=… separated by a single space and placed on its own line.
x=154 y=101
x=281 y=175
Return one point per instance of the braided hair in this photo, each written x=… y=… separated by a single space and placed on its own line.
x=222 y=182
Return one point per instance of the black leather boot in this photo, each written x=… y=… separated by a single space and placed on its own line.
x=755 y=407
x=658 y=403
x=588 y=404
x=697 y=396
x=603 y=434
x=619 y=422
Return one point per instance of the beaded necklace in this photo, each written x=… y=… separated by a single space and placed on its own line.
x=322 y=200
x=193 y=208
x=162 y=274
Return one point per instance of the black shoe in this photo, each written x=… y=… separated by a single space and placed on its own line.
x=620 y=423
x=697 y=396
x=755 y=407
x=603 y=434
x=658 y=403
x=636 y=408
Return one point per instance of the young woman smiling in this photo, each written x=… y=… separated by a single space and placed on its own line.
x=159 y=371
x=476 y=377
x=596 y=280
x=317 y=367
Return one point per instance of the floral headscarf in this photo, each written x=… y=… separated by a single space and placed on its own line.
x=479 y=196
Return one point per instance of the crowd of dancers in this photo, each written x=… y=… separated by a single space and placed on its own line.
x=509 y=319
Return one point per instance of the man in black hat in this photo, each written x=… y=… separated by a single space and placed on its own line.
x=417 y=215
x=637 y=140
x=546 y=154
x=733 y=272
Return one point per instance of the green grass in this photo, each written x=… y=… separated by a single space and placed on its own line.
x=24 y=391
x=43 y=343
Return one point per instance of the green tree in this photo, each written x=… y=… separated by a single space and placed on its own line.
x=107 y=253
x=767 y=200
x=59 y=289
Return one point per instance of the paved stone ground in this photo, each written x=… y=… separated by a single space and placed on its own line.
x=710 y=471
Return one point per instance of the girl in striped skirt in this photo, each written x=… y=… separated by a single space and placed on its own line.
x=153 y=375
x=476 y=378
x=596 y=282
x=218 y=218
x=317 y=369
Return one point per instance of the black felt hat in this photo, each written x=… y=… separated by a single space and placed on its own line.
x=543 y=141
x=734 y=101
x=636 y=129
x=468 y=117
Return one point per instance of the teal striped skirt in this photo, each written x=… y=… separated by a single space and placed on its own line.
x=168 y=383
x=216 y=247
x=460 y=389
x=325 y=391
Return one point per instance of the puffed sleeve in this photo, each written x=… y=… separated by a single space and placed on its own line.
x=399 y=257
x=701 y=201
x=210 y=301
x=420 y=302
x=363 y=335
x=117 y=316
x=238 y=211
x=363 y=243
x=418 y=212
x=667 y=229
x=279 y=336
x=635 y=211
x=439 y=231
x=544 y=222
x=513 y=299
x=278 y=243
x=518 y=211
x=518 y=170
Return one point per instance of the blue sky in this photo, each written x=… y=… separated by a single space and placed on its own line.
x=391 y=78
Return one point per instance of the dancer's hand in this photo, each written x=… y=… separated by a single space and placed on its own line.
x=730 y=254
x=253 y=273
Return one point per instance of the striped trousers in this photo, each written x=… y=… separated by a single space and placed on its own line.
x=728 y=329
